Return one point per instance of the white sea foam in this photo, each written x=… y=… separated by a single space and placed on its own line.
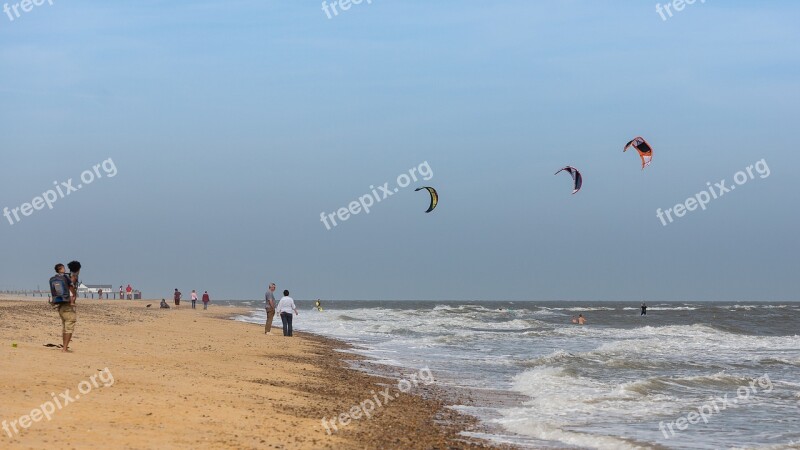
x=585 y=386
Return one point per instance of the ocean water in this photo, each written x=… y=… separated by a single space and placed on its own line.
x=685 y=376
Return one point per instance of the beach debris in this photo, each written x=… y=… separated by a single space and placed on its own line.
x=434 y=197
x=149 y=305
x=576 y=177
x=53 y=345
x=14 y=345
x=644 y=149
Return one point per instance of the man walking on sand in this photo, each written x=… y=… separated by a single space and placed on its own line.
x=129 y=289
x=194 y=298
x=285 y=308
x=206 y=299
x=270 y=307
x=121 y=293
x=177 y=297
x=61 y=291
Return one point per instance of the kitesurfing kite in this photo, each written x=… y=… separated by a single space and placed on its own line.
x=576 y=177
x=434 y=197
x=644 y=149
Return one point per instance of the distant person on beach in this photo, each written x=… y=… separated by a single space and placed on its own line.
x=129 y=290
x=100 y=294
x=581 y=319
x=194 y=298
x=285 y=308
x=61 y=292
x=206 y=299
x=121 y=293
x=644 y=310
x=269 y=305
x=177 y=297
x=164 y=304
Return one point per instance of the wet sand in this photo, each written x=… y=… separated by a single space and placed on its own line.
x=149 y=378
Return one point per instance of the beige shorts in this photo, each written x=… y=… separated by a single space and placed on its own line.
x=68 y=317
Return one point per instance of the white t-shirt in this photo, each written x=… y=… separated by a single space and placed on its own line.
x=286 y=305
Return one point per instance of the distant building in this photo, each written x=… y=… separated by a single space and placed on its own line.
x=94 y=288
x=87 y=290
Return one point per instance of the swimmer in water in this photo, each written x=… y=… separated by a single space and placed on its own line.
x=581 y=319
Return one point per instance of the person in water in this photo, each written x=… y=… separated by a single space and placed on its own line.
x=581 y=319
x=644 y=309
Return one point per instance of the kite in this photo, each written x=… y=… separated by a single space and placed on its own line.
x=434 y=197
x=576 y=177
x=644 y=149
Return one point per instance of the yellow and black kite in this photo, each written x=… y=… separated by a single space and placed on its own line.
x=434 y=197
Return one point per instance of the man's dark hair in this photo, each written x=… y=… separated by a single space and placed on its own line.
x=74 y=266
x=58 y=267
x=286 y=293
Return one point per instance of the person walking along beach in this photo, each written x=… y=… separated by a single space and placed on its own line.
x=285 y=308
x=129 y=289
x=194 y=298
x=121 y=293
x=64 y=302
x=177 y=297
x=206 y=299
x=269 y=305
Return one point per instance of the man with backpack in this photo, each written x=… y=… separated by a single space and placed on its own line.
x=61 y=290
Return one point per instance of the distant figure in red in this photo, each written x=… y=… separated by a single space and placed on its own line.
x=129 y=290
x=206 y=299
x=177 y=297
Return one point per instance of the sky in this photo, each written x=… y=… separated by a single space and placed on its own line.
x=216 y=133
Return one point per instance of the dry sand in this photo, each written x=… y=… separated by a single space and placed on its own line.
x=193 y=379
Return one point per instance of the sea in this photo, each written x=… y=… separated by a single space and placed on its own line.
x=684 y=376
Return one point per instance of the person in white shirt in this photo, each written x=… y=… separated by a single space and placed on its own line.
x=194 y=298
x=285 y=308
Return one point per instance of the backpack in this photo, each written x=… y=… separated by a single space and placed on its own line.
x=59 y=288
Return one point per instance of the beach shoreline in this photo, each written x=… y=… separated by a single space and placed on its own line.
x=194 y=378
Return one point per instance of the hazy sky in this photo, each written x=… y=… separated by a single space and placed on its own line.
x=232 y=125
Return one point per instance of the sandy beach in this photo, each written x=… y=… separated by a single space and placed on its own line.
x=143 y=377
